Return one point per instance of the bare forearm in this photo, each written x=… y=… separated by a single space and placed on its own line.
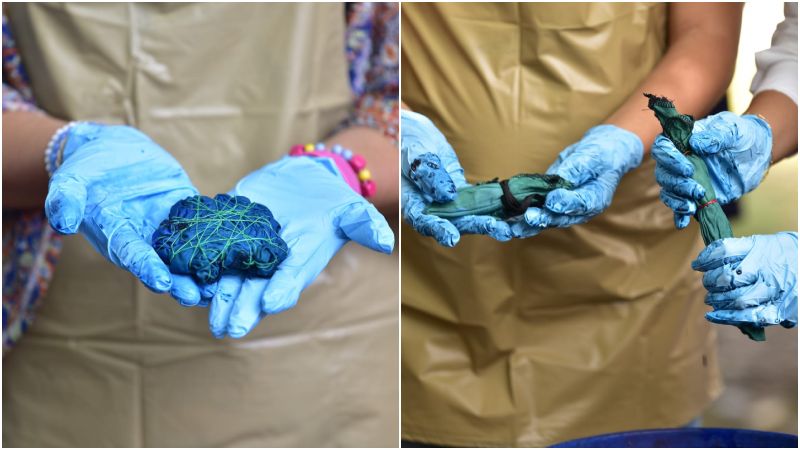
x=382 y=160
x=695 y=71
x=25 y=136
x=781 y=114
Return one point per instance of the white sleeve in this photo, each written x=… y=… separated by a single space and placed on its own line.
x=777 y=65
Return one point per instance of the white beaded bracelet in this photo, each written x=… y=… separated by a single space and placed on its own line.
x=52 y=161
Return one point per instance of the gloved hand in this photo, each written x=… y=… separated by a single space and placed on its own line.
x=432 y=173
x=318 y=213
x=751 y=280
x=737 y=151
x=595 y=165
x=116 y=185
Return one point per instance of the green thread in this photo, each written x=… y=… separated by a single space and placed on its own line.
x=207 y=238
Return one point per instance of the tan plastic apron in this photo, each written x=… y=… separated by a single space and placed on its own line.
x=225 y=88
x=575 y=332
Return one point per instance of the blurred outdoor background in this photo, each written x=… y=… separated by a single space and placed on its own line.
x=760 y=377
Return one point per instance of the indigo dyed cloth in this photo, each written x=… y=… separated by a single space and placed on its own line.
x=209 y=237
x=372 y=43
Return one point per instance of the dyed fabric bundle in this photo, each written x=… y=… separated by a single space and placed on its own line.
x=209 y=237
x=713 y=222
x=503 y=199
x=677 y=127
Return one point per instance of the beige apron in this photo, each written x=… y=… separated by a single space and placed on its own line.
x=592 y=329
x=225 y=88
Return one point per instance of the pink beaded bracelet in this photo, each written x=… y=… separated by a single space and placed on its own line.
x=353 y=167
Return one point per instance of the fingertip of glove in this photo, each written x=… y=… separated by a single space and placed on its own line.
x=681 y=221
x=209 y=290
x=704 y=143
x=276 y=302
x=720 y=317
x=445 y=196
x=385 y=240
x=159 y=283
x=185 y=298
x=439 y=187
x=217 y=328
x=62 y=216
x=699 y=190
x=502 y=236
x=67 y=225
x=563 y=201
x=366 y=226
x=448 y=239
x=535 y=218
x=237 y=331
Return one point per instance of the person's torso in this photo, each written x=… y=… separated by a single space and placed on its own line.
x=225 y=89
x=525 y=342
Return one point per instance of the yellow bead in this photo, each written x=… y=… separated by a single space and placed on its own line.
x=364 y=175
x=309 y=147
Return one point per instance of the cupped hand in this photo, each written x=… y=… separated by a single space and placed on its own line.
x=432 y=173
x=594 y=165
x=115 y=185
x=318 y=213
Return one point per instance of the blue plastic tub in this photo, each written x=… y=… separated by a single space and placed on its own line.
x=686 y=438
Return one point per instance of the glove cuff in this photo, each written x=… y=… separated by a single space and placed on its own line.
x=54 y=152
x=65 y=140
x=629 y=140
x=760 y=122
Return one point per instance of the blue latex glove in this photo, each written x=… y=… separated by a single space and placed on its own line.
x=116 y=185
x=318 y=213
x=751 y=280
x=737 y=151
x=432 y=173
x=595 y=165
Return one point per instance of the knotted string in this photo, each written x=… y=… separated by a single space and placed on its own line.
x=208 y=237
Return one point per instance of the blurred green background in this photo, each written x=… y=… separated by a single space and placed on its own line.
x=760 y=377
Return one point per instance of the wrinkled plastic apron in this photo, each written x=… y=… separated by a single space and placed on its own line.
x=575 y=332
x=225 y=89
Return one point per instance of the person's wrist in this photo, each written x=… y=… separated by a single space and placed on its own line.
x=350 y=166
x=54 y=152
x=66 y=140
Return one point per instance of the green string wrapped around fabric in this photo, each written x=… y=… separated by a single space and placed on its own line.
x=714 y=224
x=502 y=199
x=209 y=237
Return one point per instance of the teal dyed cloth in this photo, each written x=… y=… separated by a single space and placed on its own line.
x=209 y=237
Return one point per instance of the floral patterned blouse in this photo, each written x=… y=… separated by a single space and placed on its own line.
x=31 y=247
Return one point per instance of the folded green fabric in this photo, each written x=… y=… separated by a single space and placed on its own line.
x=713 y=222
x=503 y=199
x=677 y=127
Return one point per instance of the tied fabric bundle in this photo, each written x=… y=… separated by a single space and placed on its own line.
x=503 y=199
x=713 y=222
x=208 y=237
x=677 y=127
